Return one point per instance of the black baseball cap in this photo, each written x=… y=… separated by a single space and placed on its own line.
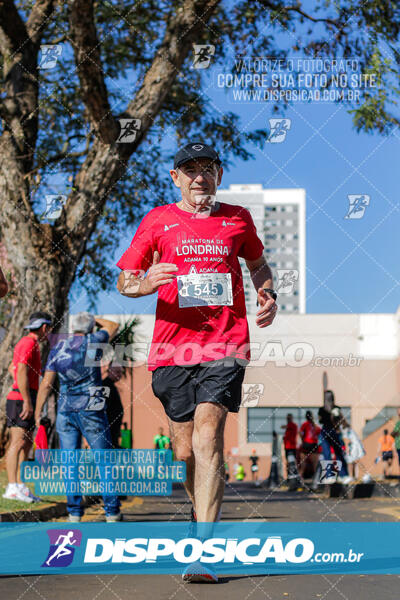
x=195 y=150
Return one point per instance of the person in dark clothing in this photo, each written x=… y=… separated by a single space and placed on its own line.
x=254 y=465
x=330 y=438
x=114 y=408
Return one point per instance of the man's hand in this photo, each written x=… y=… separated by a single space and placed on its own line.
x=268 y=309
x=27 y=410
x=37 y=419
x=159 y=274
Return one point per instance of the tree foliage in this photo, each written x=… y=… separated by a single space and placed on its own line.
x=123 y=38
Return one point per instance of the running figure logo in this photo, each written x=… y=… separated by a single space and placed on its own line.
x=129 y=129
x=286 y=280
x=252 y=393
x=279 y=129
x=50 y=54
x=329 y=469
x=62 y=547
x=202 y=56
x=54 y=206
x=357 y=205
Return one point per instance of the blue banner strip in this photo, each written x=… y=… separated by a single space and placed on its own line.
x=227 y=547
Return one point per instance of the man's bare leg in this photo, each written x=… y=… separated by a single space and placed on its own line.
x=14 y=453
x=208 y=449
x=181 y=437
x=23 y=455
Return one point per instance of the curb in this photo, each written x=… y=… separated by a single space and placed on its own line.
x=41 y=514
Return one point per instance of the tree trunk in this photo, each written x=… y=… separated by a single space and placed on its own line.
x=45 y=257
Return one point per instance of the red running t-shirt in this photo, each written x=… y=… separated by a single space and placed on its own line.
x=185 y=335
x=311 y=432
x=290 y=437
x=26 y=351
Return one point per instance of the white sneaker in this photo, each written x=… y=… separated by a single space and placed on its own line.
x=328 y=480
x=27 y=492
x=114 y=518
x=197 y=572
x=13 y=493
x=74 y=518
x=345 y=480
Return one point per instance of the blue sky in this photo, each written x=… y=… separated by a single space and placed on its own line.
x=352 y=264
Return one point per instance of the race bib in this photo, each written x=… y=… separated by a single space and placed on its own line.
x=205 y=289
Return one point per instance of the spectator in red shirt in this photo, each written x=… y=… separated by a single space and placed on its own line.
x=309 y=433
x=290 y=436
x=25 y=368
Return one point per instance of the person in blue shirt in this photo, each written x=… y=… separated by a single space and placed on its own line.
x=81 y=409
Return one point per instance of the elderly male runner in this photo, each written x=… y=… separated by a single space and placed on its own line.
x=200 y=344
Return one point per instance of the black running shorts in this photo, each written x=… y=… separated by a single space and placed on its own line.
x=388 y=455
x=182 y=388
x=14 y=409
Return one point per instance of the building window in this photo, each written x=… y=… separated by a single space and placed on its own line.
x=263 y=420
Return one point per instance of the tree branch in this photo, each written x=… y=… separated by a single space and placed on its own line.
x=297 y=8
x=104 y=165
x=13 y=33
x=90 y=72
x=184 y=28
x=56 y=158
x=38 y=19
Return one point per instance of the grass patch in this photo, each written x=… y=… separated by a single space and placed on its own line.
x=13 y=505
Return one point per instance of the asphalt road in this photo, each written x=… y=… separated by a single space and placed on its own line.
x=241 y=502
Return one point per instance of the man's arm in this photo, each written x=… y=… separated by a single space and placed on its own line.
x=261 y=277
x=159 y=274
x=110 y=326
x=23 y=386
x=3 y=284
x=45 y=389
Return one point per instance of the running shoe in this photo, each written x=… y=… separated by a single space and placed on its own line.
x=197 y=572
x=74 y=518
x=114 y=518
x=329 y=480
x=345 y=480
x=25 y=490
x=13 y=493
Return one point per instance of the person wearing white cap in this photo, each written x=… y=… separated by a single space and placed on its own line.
x=25 y=368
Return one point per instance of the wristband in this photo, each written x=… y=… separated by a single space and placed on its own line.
x=271 y=292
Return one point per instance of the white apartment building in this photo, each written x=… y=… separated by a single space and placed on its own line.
x=279 y=216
